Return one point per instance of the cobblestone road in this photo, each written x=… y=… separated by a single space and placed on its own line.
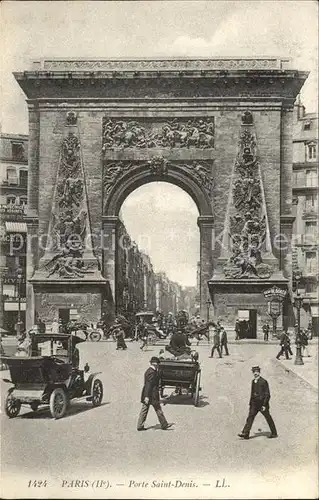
x=201 y=448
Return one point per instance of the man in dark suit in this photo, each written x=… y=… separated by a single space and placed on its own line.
x=284 y=343
x=266 y=329
x=150 y=396
x=179 y=344
x=237 y=329
x=216 y=344
x=223 y=342
x=259 y=401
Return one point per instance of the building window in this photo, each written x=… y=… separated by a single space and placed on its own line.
x=311 y=287
x=311 y=227
x=23 y=178
x=311 y=178
x=17 y=149
x=11 y=264
x=23 y=201
x=11 y=200
x=311 y=204
x=311 y=262
x=22 y=260
x=311 y=152
x=12 y=175
x=307 y=125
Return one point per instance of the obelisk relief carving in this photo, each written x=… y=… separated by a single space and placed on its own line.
x=246 y=243
x=69 y=253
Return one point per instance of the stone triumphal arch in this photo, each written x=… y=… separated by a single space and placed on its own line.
x=218 y=128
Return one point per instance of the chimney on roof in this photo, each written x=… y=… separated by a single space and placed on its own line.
x=299 y=109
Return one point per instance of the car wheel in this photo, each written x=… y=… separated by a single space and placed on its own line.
x=58 y=403
x=12 y=406
x=97 y=392
x=95 y=336
x=34 y=406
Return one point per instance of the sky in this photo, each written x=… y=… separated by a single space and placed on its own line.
x=35 y=29
x=162 y=219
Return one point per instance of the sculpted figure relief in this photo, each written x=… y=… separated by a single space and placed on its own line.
x=112 y=173
x=68 y=263
x=70 y=156
x=174 y=134
x=248 y=225
x=69 y=217
x=158 y=165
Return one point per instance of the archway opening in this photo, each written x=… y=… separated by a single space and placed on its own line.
x=161 y=261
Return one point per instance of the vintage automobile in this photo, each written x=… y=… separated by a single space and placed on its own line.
x=182 y=373
x=49 y=375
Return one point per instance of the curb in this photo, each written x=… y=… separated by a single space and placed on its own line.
x=295 y=375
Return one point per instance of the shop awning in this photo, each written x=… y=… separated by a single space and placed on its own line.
x=16 y=227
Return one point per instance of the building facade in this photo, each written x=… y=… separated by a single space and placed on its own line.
x=221 y=129
x=13 y=206
x=139 y=287
x=305 y=199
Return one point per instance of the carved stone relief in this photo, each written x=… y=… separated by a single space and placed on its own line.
x=201 y=171
x=176 y=133
x=179 y=64
x=69 y=223
x=247 y=224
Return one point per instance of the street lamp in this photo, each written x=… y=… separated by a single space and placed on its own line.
x=298 y=305
x=274 y=297
x=19 y=279
x=208 y=304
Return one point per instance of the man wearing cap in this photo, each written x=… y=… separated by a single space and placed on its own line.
x=259 y=401
x=150 y=396
x=216 y=344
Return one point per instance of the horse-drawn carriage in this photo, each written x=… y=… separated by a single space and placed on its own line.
x=183 y=374
x=48 y=374
x=145 y=327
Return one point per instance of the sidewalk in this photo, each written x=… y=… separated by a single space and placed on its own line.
x=308 y=372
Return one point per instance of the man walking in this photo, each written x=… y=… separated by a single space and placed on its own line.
x=119 y=334
x=223 y=342
x=259 y=401
x=150 y=396
x=304 y=343
x=284 y=343
x=266 y=331
x=216 y=344
x=237 y=329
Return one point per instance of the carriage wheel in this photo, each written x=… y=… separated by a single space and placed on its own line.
x=197 y=389
x=58 y=403
x=95 y=336
x=97 y=392
x=12 y=406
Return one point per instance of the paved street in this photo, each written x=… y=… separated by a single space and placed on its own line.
x=202 y=446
